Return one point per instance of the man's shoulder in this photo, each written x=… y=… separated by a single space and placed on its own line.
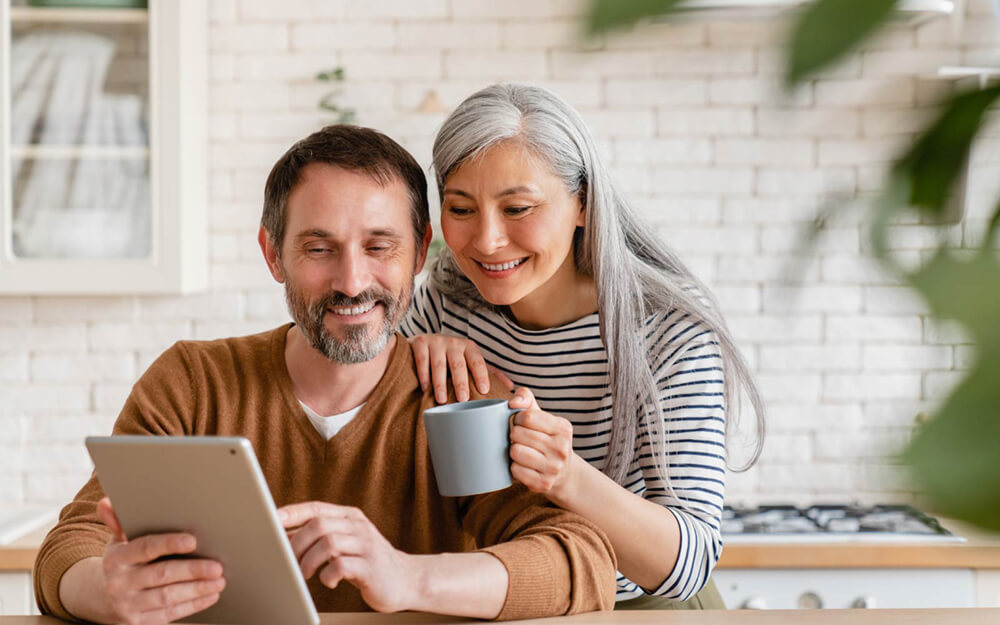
x=224 y=352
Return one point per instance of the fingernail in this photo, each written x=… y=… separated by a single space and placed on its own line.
x=282 y=515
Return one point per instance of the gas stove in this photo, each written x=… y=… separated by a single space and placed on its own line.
x=831 y=523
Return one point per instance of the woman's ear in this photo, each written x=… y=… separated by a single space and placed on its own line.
x=581 y=218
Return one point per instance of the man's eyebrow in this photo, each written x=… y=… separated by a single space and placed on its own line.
x=319 y=233
x=510 y=191
x=314 y=233
x=385 y=232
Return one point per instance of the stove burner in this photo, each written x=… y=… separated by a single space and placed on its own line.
x=830 y=520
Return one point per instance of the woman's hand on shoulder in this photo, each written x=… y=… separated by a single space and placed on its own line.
x=541 y=448
x=436 y=356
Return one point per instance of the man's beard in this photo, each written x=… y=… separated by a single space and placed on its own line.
x=359 y=343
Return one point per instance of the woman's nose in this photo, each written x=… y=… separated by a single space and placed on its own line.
x=491 y=236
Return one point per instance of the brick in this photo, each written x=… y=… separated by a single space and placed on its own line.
x=819 y=123
x=767 y=269
x=823 y=299
x=899 y=37
x=50 y=399
x=706 y=121
x=13 y=368
x=579 y=93
x=248 y=38
x=620 y=123
x=886 y=477
x=222 y=127
x=942 y=332
x=788 y=448
x=734 y=91
x=361 y=96
x=776 y=329
x=738 y=299
x=11 y=431
x=774 y=61
x=16 y=309
x=966 y=356
x=266 y=304
x=292 y=10
x=54 y=489
x=211 y=330
x=906 y=357
x=241 y=216
x=110 y=397
x=676 y=210
x=279 y=126
x=223 y=246
x=742 y=34
x=820 y=478
x=981 y=57
x=791 y=181
x=810 y=358
x=855 y=269
x=713 y=181
x=785 y=416
x=324 y=36
x=79 y=309
x=71 y=429
x=585 y=65
x=248 y=155
x=654 y=35
x=222 y=11
x=501 y=64
x=892 y=122
x=239 y=275
x=918 y=237
x=448 y=35
x=865 y=92
x=83 y=367
x=875 y=328
x=775 y=239
x=711 y=61
x=191 y=307
x=397 y=9
x=655 y=92
x=290 y=66
x=838 y=386
x=642 y=151
x=838 y=152
x=755 y=210
x=765 y=152
x=11 y=489
x=940 y=384
x=104 y=337
x=540 y=34
x=867 y=445
x=220 y=186
x=518 y=9
x=48 y=338
x=893 y=299
x=907 y=62
x=790 y=386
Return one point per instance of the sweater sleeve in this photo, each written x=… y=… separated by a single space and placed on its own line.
x=160 y=403
x=689 y=378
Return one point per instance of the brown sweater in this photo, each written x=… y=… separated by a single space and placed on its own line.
x=379 y=462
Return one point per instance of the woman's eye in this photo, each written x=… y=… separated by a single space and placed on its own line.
x=459 y=211
x=517 y=210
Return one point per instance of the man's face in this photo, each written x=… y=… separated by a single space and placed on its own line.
x=347 y=261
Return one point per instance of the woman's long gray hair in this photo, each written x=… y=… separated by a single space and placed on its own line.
x=636 y=274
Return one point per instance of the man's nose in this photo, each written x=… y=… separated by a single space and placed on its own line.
x=492 y=234
x=353 y=274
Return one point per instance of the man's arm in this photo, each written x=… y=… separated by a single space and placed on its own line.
x=340 y=544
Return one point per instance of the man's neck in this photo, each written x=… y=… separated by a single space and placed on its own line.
x=329 y=387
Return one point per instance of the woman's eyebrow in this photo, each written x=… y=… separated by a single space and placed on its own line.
x=510 y=191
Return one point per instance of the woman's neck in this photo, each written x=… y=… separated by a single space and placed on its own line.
x=567 y=296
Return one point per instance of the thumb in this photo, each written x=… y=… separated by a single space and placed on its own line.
x=106 y=514
x=524 y=400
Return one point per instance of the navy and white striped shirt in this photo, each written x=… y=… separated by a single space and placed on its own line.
x=567 y=370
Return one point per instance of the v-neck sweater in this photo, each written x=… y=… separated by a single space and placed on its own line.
x=558 y=563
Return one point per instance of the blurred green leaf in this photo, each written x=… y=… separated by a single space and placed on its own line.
x=938 y=158
x=607 y=15
x=828 y=29
x=956 y=456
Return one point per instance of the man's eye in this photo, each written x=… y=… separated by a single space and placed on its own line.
x=317 y=250
x=378 y=248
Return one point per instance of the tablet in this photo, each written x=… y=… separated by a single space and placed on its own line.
x=211 y=487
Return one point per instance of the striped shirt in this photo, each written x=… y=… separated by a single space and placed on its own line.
x=567 y=370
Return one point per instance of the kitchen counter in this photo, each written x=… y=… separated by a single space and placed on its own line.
x=981 y=551
x=20 y=554
x=972 y=616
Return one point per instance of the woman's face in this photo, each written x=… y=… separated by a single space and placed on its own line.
x=510 y=223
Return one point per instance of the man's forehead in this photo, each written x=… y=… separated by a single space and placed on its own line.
x=332 y=198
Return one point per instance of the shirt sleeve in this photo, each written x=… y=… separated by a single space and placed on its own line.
x=424 y=316
x=79 y=534
x=687 y=368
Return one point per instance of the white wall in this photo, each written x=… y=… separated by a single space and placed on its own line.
x=688 y=116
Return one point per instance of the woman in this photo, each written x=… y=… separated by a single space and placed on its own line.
x=630 y=366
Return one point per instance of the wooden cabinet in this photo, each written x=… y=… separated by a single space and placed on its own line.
x=102 y=148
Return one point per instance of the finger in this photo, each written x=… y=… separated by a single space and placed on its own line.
x=529 y=477
x=528 y=458
x=296 y=514
x=178 y=610
x=315 y=530
x=500 y=375
x=328 y=548
x=439 y=374
x=348 y=568
x=177 y=571
x=477 y=367
x=422 y=361
x=540 y=421
x=106 y=514
x=532 y=438
x=523 y=399
x=174 y=594
x=459 y=374
x=145 y=549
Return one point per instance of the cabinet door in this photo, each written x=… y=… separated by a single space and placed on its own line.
x=15 y=593
x=98 y=105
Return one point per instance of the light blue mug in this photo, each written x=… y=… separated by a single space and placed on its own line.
x=469 y=443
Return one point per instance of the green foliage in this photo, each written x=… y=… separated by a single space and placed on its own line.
x=826 y=29
x=611 y=14
x=955 y=457
x=329 y=101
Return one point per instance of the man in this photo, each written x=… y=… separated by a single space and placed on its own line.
x=355 y=489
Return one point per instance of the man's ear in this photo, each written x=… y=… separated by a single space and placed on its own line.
x=422 y=252
x=270 y=254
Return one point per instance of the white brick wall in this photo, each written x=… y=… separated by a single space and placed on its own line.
x=690 y=116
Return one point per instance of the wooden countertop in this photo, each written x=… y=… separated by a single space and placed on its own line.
x=980 y=552
x=967 y=616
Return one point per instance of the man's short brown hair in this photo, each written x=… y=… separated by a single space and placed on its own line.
x=353 y=148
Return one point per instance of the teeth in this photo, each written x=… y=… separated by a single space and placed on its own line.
x=354 y=310
x=502 y=266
